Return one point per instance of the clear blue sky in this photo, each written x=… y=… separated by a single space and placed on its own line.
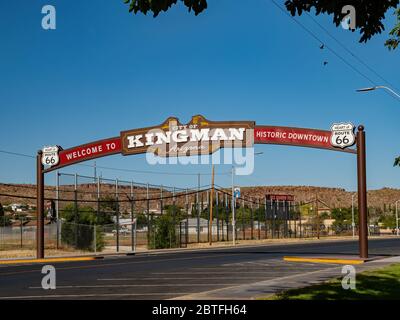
x=104 y=70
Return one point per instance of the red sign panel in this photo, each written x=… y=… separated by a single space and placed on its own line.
x=90 y=151
x=295 y=137
x=280 y=197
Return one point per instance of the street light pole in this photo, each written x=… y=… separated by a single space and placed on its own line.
x=379 y=87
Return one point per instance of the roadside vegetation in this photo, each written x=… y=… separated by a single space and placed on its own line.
x=381 y=284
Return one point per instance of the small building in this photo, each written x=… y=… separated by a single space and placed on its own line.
x=193 y=224
x=17 y=207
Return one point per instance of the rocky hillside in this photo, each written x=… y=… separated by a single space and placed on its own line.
x=333 y=197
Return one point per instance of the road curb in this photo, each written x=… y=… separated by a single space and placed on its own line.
x=323 y=260
x=49 y=260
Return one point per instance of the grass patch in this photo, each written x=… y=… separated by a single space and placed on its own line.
x=381 y=284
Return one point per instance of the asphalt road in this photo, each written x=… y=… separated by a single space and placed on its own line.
x=174 y=275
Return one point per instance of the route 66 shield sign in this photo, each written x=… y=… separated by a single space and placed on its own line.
x=50 y=156
x=343 y=135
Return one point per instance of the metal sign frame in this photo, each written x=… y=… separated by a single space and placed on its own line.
x=302 y=137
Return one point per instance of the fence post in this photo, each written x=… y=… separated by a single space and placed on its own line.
x=266 y=219
x=208 y=220
x=294 y=217
x=174 y=207
x=217 y=212
x=76 y=208
x=243 y=224
x=21 y=230
x=198 y=209
x=132 y=218
x=251 y=219
x=258 y=219
x=273 y=207
x=95 y=239
x=187 y=216
x=161 y=200
x=117 y=212
x=148 y=215
x=301 y=233
x=227 y=216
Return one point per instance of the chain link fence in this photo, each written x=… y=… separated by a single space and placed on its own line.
x=86 y=215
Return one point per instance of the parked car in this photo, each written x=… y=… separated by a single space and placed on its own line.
x=122 y=232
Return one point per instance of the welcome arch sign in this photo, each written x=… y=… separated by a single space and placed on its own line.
x=204 y=137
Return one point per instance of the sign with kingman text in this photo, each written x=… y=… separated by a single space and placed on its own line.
x=198 y=137
x=343 y=135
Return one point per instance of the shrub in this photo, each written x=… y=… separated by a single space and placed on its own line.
x=163 y=233
x=78 y=230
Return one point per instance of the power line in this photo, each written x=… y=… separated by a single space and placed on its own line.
x=321 y=42
x=123 y=169
x=349 y=51
x=16 y=154
x=162 y=173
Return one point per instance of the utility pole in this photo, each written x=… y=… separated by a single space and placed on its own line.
x=210 y=225
x=233 y=206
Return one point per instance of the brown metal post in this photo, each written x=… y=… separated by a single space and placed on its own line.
x=362 y=193
x=39 y=207
x=318 y=221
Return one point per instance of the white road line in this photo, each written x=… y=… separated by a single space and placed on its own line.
x=184 y=278
x=137 y=285
x=93 y=295
x=125 y=263
x=215 y=273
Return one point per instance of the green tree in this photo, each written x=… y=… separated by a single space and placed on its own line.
x=80 y=233
x=5 y=221
x=369 y=13
x=163 y=232
x=388 y=220
x=108 y=203
x=156 y=6
x=1 y=210
x=343 y=218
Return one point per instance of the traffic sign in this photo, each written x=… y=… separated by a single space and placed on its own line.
x=50 y=156
x=342 y=135
x=236 y=192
